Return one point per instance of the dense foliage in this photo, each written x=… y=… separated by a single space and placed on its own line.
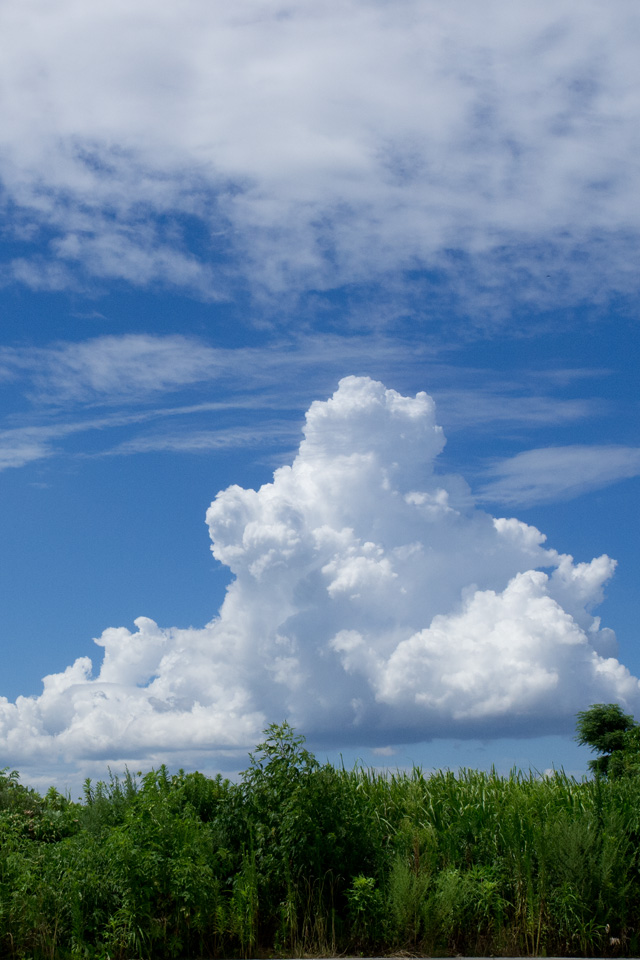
x=614 y=736
x=303 y=858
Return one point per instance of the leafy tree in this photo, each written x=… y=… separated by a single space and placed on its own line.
x=626 y=762
x=610 y=733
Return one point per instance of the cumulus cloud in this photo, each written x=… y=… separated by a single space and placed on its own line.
x=371 y=603
x=322 y=143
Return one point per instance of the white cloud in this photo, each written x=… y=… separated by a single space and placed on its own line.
x=131 y=367
x=556 y=473
x=206 y=441
x=326 y=142
x=17 y=451
x=464 y=408
x=133 y=378
x=372 y=603
x=110 y=368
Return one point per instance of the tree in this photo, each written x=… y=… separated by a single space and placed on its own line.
x=612 y=734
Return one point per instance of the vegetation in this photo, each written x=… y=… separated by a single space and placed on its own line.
x=300 y=858
x=614 y=735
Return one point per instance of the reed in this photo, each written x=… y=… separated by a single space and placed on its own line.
x=300 y=858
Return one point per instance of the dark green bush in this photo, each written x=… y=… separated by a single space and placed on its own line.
x=298 y=857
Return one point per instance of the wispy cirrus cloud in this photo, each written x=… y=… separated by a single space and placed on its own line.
x=490 y=406
x=21 y=446
x=111 y=368
x=120 y=369
x=558 y=473
x=121 y=388
x=136 y=367
x=270 y=432
x=323 y=144
x=21 y=449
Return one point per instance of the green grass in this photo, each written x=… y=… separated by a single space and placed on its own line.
x=299 y=858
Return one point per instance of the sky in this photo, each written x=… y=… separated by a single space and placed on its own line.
x=318 y=380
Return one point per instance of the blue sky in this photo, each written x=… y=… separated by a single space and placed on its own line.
x=211 y=217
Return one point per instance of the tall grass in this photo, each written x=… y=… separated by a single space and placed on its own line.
x=299 y=858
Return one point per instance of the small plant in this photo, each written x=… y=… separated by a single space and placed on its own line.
x=364 y=906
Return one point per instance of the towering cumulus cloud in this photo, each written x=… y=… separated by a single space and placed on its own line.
x=371 y=602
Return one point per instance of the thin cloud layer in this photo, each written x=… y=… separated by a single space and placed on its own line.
x=559 y=473
x=317 y=144
x=120 y=394
x=371 y=603
x=111 y=368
